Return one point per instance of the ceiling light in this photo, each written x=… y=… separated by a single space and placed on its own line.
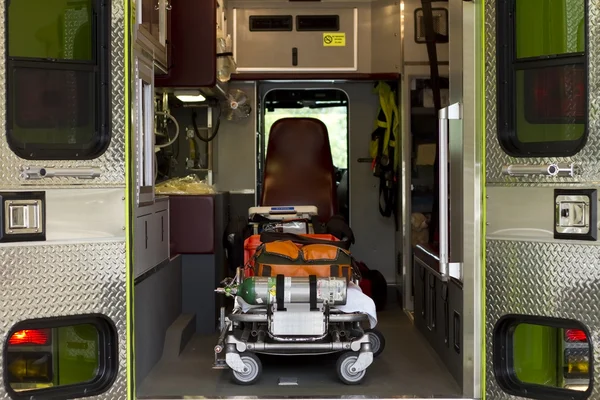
x=189 y=96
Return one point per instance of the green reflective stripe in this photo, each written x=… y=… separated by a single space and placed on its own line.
x=482 y=132
x=129 y=21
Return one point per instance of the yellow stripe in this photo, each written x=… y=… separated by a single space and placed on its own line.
x=483 y=198
x=128 y=212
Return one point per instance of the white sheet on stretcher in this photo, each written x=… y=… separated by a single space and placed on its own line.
x=356 y=301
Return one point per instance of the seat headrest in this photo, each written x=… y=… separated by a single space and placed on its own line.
x=299 y=167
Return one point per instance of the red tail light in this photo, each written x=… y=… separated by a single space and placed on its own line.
x=30 y=336
x=575 y=335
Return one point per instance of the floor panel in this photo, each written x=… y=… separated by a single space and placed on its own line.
x=408 y=366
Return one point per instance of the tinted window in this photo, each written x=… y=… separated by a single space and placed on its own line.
x=542 y=77
x=74 y=357
x=57 y=29
x=543 y=358
x=549 y=27
x=57 y=73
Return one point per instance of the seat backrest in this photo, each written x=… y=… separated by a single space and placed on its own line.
x=299 y=167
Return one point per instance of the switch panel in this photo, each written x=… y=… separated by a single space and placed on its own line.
x=575 y=214
x=23 y=216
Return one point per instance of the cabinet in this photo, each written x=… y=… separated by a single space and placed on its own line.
x=152 y=19
x=193 y=30
x=296 y=40
x=151 y=236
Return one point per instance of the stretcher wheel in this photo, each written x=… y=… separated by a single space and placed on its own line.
x=253 y=370
x=344 y=369
x=377 y=341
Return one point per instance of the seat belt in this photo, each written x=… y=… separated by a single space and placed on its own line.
x=384 y=150
x=431 y=41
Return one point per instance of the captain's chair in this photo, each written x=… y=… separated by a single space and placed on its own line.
x=299 y=167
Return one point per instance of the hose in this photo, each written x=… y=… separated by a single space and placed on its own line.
x=170 y=142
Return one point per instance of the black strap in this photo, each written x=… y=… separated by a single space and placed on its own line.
x=280 y=292
x=334 y=271
x=267 y=237
x=312 y=280
x=345 y=271
x=431 y=37
x=266 y=270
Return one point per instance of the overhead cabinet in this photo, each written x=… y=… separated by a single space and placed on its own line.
x=152 y=18
x=303 y=40
x=193 y=56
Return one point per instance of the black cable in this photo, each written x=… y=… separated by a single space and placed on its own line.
x=216 y=128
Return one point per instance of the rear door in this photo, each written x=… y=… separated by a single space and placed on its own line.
x=542 y=174
x=62 y=192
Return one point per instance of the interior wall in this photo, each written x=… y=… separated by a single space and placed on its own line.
x=375 y=235
x=157 y=303
x=235 y=148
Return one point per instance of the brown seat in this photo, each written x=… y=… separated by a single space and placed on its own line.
x=299 y=168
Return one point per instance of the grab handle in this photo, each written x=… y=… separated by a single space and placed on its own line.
x=447 y=269
x=28 y=172
x=543 y=169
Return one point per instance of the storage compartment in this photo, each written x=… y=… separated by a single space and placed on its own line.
x=438 y=309
x=151 y=236
x=278 y=40
x=192 y=60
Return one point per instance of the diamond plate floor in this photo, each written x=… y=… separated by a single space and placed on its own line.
x=408 y=366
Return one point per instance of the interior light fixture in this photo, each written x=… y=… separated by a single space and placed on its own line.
x=189 y=96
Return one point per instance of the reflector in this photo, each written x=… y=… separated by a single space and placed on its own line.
x=38 y=337
x=575 y=335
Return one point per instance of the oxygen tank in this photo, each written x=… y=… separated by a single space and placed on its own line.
x=262 y=290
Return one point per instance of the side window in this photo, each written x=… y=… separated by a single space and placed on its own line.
x=542 y=77
x=543 y=358
x=57 y=78
x=60 y=358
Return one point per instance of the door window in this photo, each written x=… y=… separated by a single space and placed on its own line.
x=542 y=77
x=543 y=358
x=57 y=74
x=68 y=357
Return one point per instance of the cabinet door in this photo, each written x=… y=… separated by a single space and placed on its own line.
x=152 y=27
x=192 y=63
x=143 y=259
x=295 y=40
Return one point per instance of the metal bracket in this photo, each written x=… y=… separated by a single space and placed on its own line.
x=543 y=169
x=234 y=361
x=28 y=172
x=365 y=359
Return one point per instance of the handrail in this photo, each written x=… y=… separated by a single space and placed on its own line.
x=447 y=268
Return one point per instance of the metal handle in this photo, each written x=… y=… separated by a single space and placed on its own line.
x=543 y=169
x=447 y=269
x=43 y=172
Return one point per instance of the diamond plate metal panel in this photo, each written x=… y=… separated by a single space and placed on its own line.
x=547 y=279
x=60 y=280
x=588 y=159
x=112 y=162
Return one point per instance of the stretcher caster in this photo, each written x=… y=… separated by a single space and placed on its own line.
x=252 y=370
x=345 y=368
x=377 y=341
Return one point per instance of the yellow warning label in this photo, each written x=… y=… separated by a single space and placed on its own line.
x=334 y=39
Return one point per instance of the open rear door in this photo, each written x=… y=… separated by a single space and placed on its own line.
x=63 y=309
x=542 y=174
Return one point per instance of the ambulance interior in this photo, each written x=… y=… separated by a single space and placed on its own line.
x=215 y=126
